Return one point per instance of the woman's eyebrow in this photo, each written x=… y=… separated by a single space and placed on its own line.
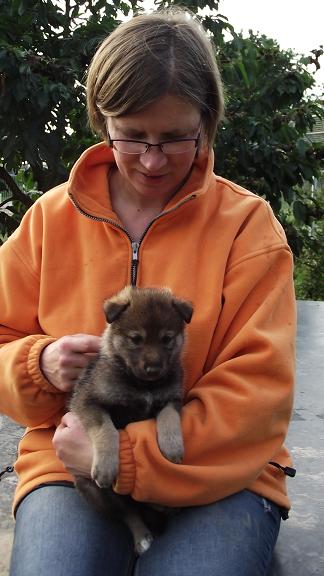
x=177 y=133
x=130 y=132
x=135 y=133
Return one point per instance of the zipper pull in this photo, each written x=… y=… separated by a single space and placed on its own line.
x=135 y=260
x=285 y=469
x=135 y=247
x=7 y=470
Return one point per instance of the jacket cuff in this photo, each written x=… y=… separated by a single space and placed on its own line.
x=33 y=364
x=127 y=469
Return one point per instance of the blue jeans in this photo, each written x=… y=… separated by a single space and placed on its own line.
x=58 y=534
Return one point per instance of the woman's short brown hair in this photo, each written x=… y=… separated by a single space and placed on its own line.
x=165 y=52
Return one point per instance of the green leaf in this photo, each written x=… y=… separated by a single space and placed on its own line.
x=299 y=210
x=243 y=71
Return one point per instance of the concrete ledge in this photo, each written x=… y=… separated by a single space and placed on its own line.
x=10 y=435
x=6 y=537
x=300 y=549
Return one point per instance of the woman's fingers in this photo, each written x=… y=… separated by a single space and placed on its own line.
x=62 y=361
x=73 y=446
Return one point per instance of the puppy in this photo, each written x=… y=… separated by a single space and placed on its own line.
x=136 y=375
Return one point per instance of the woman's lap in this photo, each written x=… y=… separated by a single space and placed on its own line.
x=233 y=537
x=58 y=534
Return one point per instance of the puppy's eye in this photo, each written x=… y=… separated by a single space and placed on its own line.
x=167 y=339
x=135 y=339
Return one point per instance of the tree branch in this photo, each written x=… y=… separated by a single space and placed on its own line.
x=9 y=223
x=16 y=192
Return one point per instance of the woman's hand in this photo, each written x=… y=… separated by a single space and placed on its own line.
x=73 y=446
x=62 y=361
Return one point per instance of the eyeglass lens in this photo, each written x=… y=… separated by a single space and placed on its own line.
x=172 y=147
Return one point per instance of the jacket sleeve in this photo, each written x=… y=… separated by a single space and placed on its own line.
x=25 y=395
x=236 y=416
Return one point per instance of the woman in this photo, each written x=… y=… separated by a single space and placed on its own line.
x=144 y=207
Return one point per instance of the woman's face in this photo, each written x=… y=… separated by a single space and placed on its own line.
x=155 y=174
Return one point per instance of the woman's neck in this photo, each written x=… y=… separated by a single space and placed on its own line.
x=134 y=212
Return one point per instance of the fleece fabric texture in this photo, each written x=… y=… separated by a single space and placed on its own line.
x=215 y=244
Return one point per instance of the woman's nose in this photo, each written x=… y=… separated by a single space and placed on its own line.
x=153 y=159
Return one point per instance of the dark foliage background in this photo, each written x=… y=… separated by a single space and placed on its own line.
x=45 y=48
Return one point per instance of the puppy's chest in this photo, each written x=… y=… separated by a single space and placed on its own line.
x=135 y=408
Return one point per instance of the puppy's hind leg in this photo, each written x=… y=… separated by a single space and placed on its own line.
x=143 y=538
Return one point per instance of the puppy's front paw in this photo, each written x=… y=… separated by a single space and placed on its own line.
x=104 y=471
x=171 y=446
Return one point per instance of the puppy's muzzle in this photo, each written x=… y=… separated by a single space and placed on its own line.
x=152 y=370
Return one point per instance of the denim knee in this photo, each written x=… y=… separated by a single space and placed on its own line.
x=232 y=537
x=57 y=533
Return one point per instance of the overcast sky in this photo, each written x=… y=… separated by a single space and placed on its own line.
x=296 y=24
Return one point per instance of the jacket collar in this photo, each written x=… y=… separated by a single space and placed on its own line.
x=88 y=185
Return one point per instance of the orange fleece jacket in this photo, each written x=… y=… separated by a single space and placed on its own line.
x=215 y=244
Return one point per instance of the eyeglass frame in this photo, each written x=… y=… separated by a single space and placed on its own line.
x=149 y=145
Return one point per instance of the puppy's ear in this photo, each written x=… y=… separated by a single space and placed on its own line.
x=184 y=308
x=114 y=309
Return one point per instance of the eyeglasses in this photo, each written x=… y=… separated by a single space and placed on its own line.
x=169 y=147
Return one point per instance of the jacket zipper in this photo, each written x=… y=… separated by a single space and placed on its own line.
x=135 y=245
x=135 y=262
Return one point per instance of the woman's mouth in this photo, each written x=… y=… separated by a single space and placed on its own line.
x=152 y=176
x=147 y=178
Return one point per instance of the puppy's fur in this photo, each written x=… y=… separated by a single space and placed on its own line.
x=137 y=375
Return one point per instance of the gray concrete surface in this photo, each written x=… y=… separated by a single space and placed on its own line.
x=10 y=434
x=300 y=548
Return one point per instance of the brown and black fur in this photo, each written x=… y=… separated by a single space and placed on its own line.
x=137 y=375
